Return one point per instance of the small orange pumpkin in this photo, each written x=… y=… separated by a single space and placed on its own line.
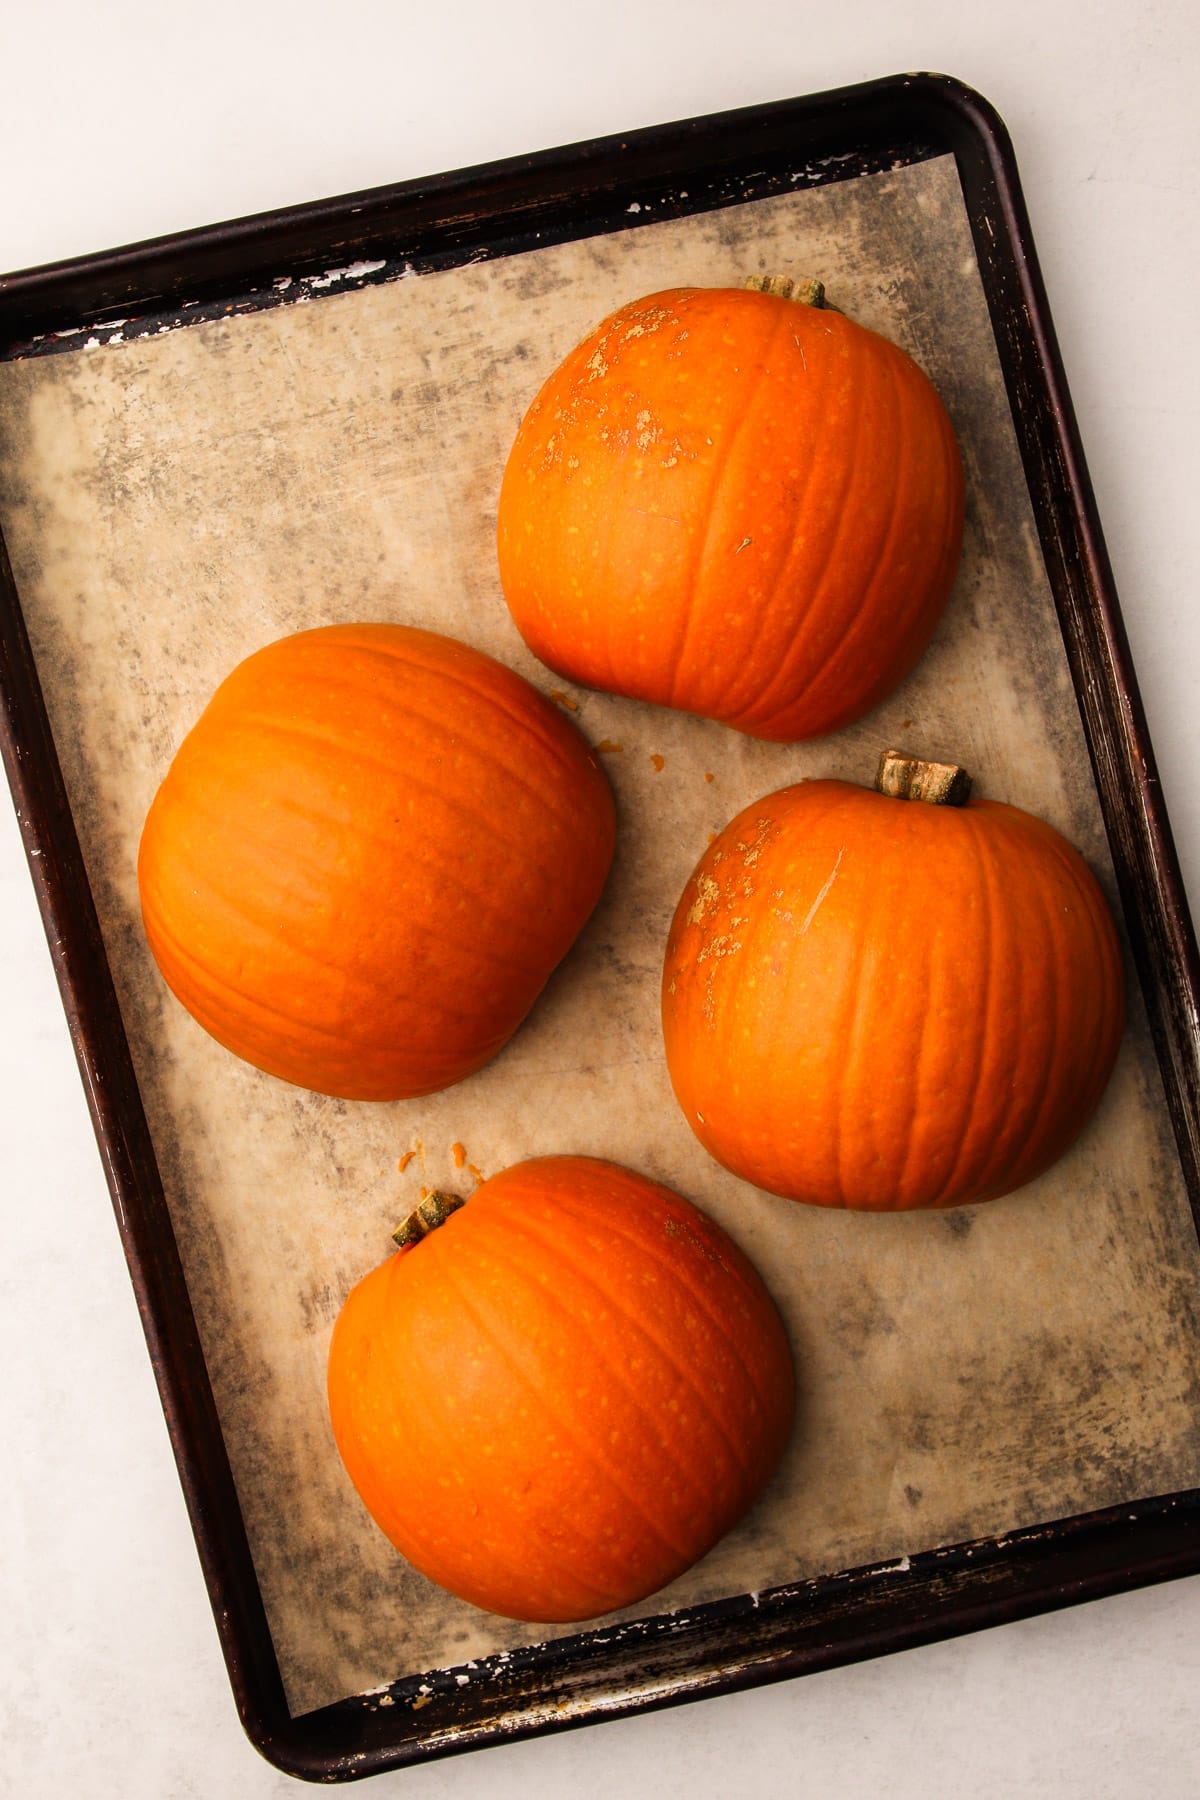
x=736 y=503
x=367 y=857
x=872 y=1001
x=564 y=1394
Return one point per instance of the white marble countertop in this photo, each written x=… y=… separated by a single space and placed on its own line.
x=126 y=122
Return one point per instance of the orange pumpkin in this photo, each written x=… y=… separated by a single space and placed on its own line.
x=739 y=504
x=367 y=857
x=876 y=1002
x=564 y=1394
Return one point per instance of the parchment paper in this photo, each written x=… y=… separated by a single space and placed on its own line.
x=172 y=503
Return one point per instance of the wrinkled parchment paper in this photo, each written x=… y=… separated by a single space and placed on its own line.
x=172 y=503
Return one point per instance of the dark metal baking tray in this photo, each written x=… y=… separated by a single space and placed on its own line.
x=506 y=210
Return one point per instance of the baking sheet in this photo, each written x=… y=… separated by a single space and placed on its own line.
x=173 y=502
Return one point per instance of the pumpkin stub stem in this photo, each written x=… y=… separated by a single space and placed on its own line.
x=904 y=777
x=425 y=1217
x=806 y=290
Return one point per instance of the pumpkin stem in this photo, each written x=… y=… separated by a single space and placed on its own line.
x=904 y=777
x=805 y=289
x=425 y=1217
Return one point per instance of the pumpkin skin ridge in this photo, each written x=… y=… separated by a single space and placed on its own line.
x=701 y=1301
x=1038 y=1151
x=851 y=1025
x=496 y=698
x=741 y=717
x=545 y=739
x=635 y=685
x=833 y=543
x=625 y=320
x=503 y=960
x=476 y=819
x=483 y=823
x=959 y=1132
x=699 y=553
x=423 y=1550
x=720 y=1430
x=607 y=1595
x=616 y=1376
x=681 y=1557
x=910 y=1148
x=446 y=872
x=859 y=1000
x=607 y=1467
x=530 y=431
x=511 y=1575
x=548 y=743
x=985 y=1178
x=763 y=715
x=979 y=1085
x=722 y=712
x=210 y=1019
x=759 y=717
x=1106 y=947
x=1007 y=1024
x=1006 y=1018
x=1053 y=1035
x=721 y=1022
x=857 y=1044
x=759 y=721
x=1030 y=1154
x=246 y=998
x=201 y=999
x=1031 y=1123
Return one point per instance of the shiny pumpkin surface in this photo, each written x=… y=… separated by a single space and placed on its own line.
x=562 y=1397
x=734 y=504
x=367 y=857
x=881 y=1003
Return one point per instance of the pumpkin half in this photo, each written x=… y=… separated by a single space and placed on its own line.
x=367 y=857
x=880 y=1002
x=564 y=1394
x=736 y=503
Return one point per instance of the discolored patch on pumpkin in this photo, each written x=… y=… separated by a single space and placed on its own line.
x=724 y=945
x=707 y=896
x=648 y=432
x=764 y=831
x=683 y=1228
